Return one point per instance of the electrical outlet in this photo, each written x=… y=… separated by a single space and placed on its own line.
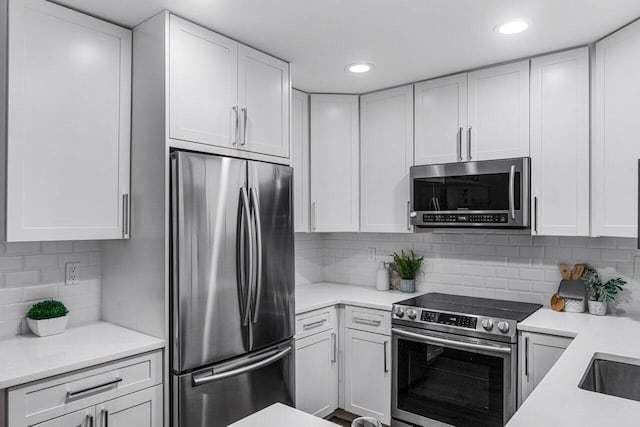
x=372 y=254
x=73 y=273
x=636 y=268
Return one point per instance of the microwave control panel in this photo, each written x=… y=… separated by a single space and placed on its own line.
x=467 y=218
x=449 y=319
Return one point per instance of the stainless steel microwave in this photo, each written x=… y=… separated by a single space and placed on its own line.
x=488 y=194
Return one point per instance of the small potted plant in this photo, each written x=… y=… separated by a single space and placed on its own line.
x=601 y=293
x=407 y=267
x=48 y=317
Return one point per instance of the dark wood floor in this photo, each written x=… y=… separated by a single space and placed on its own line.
x=342 y=418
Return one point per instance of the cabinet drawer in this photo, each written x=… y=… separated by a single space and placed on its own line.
x=367 y=319
x=42 y=400
x=315 y=321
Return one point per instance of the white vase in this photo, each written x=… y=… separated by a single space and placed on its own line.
x=598 y=308
x=46 y=327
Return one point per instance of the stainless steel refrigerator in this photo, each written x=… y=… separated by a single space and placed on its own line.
x=232 y=288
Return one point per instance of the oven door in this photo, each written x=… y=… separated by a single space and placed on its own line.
x=449 y=380
x=491 y=193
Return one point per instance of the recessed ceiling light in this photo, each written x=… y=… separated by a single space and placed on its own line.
x=513 y=27
x=360 y=67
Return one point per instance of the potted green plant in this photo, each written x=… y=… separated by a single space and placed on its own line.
x=407 y=266
x=601 y=293
x=47 y=317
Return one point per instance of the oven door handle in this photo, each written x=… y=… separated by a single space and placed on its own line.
x=451 y=343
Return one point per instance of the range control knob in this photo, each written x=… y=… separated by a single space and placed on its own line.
x=487 y=324
x=503 y=327
x=412 y=314
x=399 y=312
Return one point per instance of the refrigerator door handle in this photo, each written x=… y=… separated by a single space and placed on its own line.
x=269 y=359
x=257 y=289
x=244 y=276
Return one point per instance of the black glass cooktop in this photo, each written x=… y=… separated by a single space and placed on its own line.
x=511 y=310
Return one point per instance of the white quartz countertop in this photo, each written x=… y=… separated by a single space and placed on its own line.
x=279 y=415
x=557 y=401
x=28 y=357
x=325 y=294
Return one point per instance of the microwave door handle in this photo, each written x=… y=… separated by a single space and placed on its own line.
x=512 y=191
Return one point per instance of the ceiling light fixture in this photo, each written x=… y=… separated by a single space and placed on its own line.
x=513 y=27
x=358 y=68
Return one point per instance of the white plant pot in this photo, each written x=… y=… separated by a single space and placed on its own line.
x=46 y=327
x=598 y=308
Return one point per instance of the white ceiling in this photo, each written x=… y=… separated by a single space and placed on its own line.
x=407 y=40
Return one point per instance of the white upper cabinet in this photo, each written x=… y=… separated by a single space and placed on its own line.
x=263 y=99
x=498 y=111
x=68 y=125
x=560 y=143
x=300 y=159
x=203 y=85
x=441 y=120
x=225 y=94
x=616 y=149
x=334 y=163
x=386 y=154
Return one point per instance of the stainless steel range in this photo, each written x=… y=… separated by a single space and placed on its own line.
x=455 y=360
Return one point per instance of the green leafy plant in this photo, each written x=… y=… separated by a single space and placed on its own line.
x=48 y=309
x=407 y=265
x=599 y=291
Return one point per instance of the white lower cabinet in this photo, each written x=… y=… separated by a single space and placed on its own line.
x=367 y=374
x=140 y=409
x=83 y=418
x=317 y=373
x=537 y=354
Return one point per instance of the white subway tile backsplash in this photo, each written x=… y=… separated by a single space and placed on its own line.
x=11 y=263
x=39 y=261
x=22 y=248
x=57 y=247
x=20 y=278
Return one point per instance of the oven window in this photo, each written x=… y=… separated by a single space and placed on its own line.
x=469 y=192
x=460 y=388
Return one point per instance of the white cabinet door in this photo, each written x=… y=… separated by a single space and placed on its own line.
x=499 y=112
x=386 y=154
x=203 y=85
x=616 y=149
x=317 y=373
x=82 y=418
x=300 y=159
x=560 y=143
x=140 y=409
x=537 y=353
x=334 y=163
x=441 y=120
x=367 y=374
x=68 y=124
x=263 y=99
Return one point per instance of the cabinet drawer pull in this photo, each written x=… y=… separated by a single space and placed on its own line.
x=244 y=127
x=469 y=143
x=460 y=144
x=334 y=344
x=77 y=394
x=371 y=322
x=313 y=325
x=535 y=214
x=526 y=357
x=384 y=347
x=105 y=418
x=237 y=126
x=89 y=420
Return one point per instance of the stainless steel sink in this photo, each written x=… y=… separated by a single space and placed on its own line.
x=613 y=375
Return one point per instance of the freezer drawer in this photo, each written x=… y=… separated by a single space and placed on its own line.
x=226 y=392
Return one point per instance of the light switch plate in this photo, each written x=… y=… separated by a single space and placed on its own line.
x=72 y=276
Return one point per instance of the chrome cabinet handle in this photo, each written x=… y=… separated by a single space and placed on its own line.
x=460 y=130
x=469 y=143
x=512 y=191
x=244 y=127
x=384 y=347
x=125 y=215
x=89 y=420
x=313 y=215
x=105 y=418
x=409 y=215
x=334 y=345
x=371 y=322
x=255 y=203
x=247 y=212
x=535 y=214
x=80 y=393
x=526 y=357
x=237 y=126
x=313 y=325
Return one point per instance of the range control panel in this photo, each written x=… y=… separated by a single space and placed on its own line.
x=449 y=319
x=467 y=218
